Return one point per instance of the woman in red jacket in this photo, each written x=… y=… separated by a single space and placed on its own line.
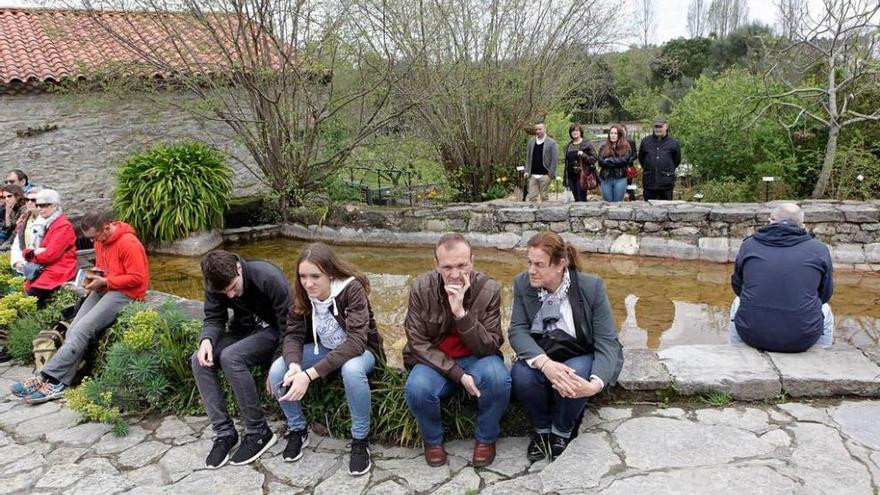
x=53 y=261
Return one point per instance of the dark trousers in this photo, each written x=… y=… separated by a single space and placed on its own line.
x=574 y=183
x=42 y=295
x=661 y=194
x=548 y=411
x=235 y=355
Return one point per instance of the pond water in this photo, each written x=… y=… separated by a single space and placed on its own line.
x=657 y=303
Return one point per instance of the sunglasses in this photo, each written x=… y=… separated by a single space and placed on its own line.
x=10 y=182
x=31 y=200
x=43 y=205
x=7 y=196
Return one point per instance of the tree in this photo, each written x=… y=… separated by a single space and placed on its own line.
x=698 y=11
x=645 y=20
x=491 y=67
x=301 y=83
x=790 y=14
x=837 y=51
x=725 y=16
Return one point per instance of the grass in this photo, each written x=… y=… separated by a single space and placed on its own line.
x=716 y=398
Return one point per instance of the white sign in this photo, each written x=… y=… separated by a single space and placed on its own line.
x=768 y=179
x=520 y=168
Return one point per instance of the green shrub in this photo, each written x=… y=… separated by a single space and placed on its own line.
x=726 y=191
x=171 y=191
x=23 y=330
x=853 y=160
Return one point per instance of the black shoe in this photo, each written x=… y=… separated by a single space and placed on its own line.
x=557 y=446
x=220 y=451
x=252 y=447
x=297 y=440
x=360 y=458
x=539 y=447
x=4 y=355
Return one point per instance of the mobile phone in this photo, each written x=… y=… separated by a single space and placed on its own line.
x=282 y=390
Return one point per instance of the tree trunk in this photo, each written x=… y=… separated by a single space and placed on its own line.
x=828 y=163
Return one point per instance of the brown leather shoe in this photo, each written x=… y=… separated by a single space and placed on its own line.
x=484 y=454
x=435 y=455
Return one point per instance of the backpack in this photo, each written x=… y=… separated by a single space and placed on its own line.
x=47 y=342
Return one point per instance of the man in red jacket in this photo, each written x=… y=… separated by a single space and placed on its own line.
x=126 y=273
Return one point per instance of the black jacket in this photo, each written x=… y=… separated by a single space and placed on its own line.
x=782 y=277
x=659 y=158
x=266 y=296
x=572 y=171
x=614 y=165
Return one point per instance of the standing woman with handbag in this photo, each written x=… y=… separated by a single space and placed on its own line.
x=53 y=259
x=565 y=340
x=614 y=158
x=579 y=159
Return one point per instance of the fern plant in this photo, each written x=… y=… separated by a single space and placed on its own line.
x=171 y=191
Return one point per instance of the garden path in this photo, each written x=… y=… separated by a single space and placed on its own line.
x=830 y=446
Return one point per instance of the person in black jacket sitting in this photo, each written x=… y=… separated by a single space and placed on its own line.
x=259 y=296
x=783 y=279
x=659 y=155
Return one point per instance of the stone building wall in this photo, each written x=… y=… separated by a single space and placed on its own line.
x=94 y=134
x=673 y=229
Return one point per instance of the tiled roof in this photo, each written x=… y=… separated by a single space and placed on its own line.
x=41 y=45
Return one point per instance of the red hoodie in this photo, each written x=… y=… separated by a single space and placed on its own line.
x=124 y=261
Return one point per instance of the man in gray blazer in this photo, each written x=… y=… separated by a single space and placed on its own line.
x=541 y=158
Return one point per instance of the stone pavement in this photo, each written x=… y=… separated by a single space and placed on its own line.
x=831 y=446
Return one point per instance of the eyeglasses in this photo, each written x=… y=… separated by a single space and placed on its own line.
x=31 y=200
x=43 y=205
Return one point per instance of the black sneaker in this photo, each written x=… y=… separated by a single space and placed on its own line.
x=539 y=447
x=252 y=447
x=360 y=458
x=4 y=355
x=220 y=451
x=557 y=446
x=297 y=440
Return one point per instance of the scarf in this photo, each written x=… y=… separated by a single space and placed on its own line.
x=549 y=316
x=40 y=225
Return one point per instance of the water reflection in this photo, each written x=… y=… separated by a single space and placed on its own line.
x=656 y=303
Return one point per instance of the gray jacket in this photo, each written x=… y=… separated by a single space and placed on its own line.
x=592 y=317
x=551 y=155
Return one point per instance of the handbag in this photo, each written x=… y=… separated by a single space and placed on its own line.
x=631 y=172
x=32 y=271
x=587 y=180
x=559 y=345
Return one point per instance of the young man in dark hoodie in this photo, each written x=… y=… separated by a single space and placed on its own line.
x=783 y=280
x=259 y=296
x=126 y=273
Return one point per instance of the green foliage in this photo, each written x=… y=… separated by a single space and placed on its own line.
x=644 y=104
x=341 y=191
x=726 y=191
x=95 y=404
x=854 y=160
x=716 y=398
x=171 y=191
x=23 y=330
x=715 y=127
x=681 y=57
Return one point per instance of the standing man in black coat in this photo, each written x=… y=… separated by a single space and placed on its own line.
x=659 y=155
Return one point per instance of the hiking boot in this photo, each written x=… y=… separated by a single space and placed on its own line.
x=27 y=386
x=539 y=447
x=359 y=463
x=557 y=446
x=297 y=440
x=220 y=451
x=252 y=447
x=45 y=392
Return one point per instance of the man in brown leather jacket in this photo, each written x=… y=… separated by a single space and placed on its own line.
x=453 y=331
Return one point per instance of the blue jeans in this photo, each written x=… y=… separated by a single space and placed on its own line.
x=354 y=377
x=548 y=411
x=613 y=189
x=426 y=388
x=825 y=340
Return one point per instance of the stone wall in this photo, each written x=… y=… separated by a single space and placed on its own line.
x=673 y=229
x=94 y=133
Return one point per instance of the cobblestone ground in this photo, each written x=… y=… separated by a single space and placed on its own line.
x=832 y=447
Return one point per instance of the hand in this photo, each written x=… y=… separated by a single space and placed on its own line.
x=292 y=370
x=268 y=386
x=578 y=387
x=467 y=381
x=456 y=293
x=206 y=354
x=19 y=266
x=580 y=153
x=39 y=250
x=298 y=388
x=96 y=283
x=561 y=377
